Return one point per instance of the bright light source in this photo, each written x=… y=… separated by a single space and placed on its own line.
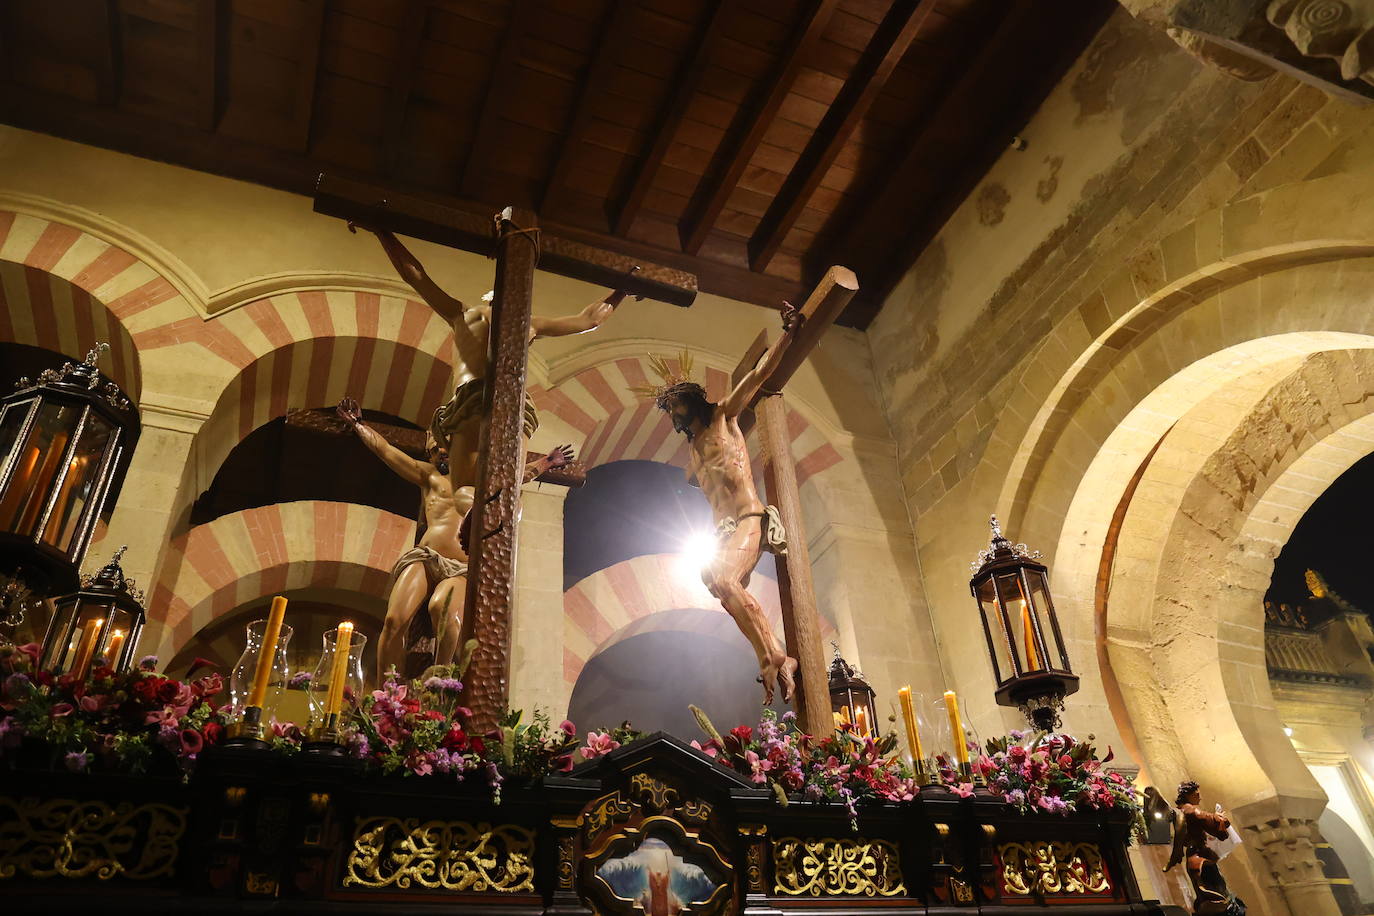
x=1288 y=730
x=696 y=553
x=1159 y=815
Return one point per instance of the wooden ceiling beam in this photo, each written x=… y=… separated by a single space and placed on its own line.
x=686 y=79
x=522 y=13
x=308 y=72
x=750 y=124
x=212 y=50
x=889 y=44
x=597 y=76
x=1014 y=50
x=109 y=64
x=405 y=63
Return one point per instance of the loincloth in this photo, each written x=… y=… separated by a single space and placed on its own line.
x=437 y=566
x=466 y=406
x=773 y=534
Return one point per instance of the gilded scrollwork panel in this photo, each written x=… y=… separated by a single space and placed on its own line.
x=390 y=852
x=1053 y=867
x=836 y=868
x=66 y=838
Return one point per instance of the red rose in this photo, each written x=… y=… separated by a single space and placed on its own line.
x=146 y=690
x=102 y=673
x=478 y=745
x=742 y=733
x=168 y=690
x=212 y=732
x=455 y=740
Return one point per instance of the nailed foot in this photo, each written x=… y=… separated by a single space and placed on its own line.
x=787 y=674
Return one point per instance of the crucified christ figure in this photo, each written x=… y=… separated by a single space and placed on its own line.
x=720 y=465
x=437 y=567
x=457 y=424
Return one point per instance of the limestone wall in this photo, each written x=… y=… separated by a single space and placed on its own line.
x=1142 y=342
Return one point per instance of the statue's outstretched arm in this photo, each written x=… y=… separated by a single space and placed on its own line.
x=413 y=272
x=590 y=318
x=744 y=392
x=407 y=467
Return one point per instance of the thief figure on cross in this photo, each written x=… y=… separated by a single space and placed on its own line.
x=720 y=465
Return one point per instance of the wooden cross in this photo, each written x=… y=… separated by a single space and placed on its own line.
x=800 y=617
x=513 y=239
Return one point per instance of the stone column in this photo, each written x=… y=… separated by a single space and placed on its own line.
x=145 y=511
x=1288 y=848
x=537 y=647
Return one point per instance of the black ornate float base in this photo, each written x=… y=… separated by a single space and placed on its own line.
x=652 y=829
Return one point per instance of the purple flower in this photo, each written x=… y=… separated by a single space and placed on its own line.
x=1016 y=797
x=76 y=761
x=789 y=716
x=813 y=793
x=300 y=680
x=148 y=662
x=358 y=746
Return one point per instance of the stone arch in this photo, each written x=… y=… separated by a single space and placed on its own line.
x=214 y=568
x=63 y=289
x=1264 y=235
x=402 y=366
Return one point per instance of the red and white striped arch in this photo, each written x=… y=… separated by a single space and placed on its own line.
x=620 y=601
x=64 y=290
x=310 y=349
x=598 y=402
x=239 y=557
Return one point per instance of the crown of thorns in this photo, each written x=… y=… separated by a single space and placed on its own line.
x=1184 y=790
x=677 y=379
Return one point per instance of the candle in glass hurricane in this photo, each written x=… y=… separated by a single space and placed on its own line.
x=1028 y=634
x=112 y=650
x=956 y=727
x=268 y=653
x=338 y=673
x=861 y=722
x=85 y=650
x=913 y=735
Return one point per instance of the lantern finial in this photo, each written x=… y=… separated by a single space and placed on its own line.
x=1000 y=548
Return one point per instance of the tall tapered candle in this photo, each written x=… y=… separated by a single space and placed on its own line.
x=338 y=671
x=956 y=726
x=116 y=643
x=861 y=720
x=267 y=654
x=913 y=735
x=85 y=650
x=1032 y=656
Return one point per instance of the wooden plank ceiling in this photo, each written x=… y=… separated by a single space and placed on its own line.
x=753 y=142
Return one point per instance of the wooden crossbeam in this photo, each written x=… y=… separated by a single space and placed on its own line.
x=472 y=229
x=109 y=64
x=709 y=36
x=596 y=78
x=412 y=441
x=749 y=127
x=308 y=72
x=404 y=65
x=889 y=44
x=212 y=49
x=522 y=13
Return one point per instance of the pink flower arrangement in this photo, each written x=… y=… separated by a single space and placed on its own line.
x=598 y=744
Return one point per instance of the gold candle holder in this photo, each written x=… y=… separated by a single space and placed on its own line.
x=248 y=731
x=324 y=738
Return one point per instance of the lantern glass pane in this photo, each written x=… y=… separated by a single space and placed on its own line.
x=1040 y=598
x=1019 y=617
x=39 y=460
x=10 y=425
x=1001 y=648
x=83 y=476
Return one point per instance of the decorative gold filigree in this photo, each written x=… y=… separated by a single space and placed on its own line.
x=659 y=795
x=567 y=864
x=604 y=813
x=696 y=811
x=836 y=868
x=62 y=837
x=452 y=855
x=1053 y=867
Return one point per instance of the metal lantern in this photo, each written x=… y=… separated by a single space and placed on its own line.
x=851 y=699
x=98 y=624
x=65 y=443
x=1028 y=656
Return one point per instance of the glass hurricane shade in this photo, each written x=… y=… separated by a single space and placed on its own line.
x=241 y=678
x=322 y=679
